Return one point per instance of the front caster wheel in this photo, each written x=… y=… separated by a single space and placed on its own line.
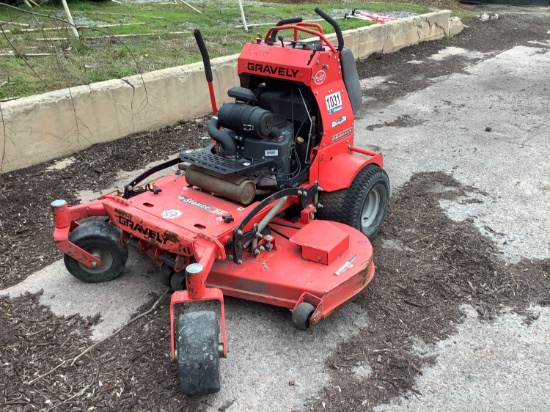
x=197 y=353
x=165 y=274
x=102 y=240
x=301 y=315
x=177 y=281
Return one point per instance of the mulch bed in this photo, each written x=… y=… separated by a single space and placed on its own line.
x=132 y=371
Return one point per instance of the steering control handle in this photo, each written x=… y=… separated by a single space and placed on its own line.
x=335 y=25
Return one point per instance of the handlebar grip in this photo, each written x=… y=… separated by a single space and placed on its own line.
x=289 y=21
x=282 y=23
x=204 y=54
x=335 y=25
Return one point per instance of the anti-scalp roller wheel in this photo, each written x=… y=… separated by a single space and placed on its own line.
x=302 y=315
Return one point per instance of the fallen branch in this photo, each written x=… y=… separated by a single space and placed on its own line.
x=53 y=39
x=91 y=347
x=119 y=14
x=116 y=36
x=418 y=305
x=12 y=23
x=81 y=392
x=25 y=54
x=102 y=26
x=139 y=34
x=188 y=5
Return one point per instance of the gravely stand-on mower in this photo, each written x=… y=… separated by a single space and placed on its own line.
x=278 y=209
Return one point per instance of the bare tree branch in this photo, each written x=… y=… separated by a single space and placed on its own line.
x=21 y=55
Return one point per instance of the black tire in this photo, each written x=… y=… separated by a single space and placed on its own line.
x=363 y=205
x=197 y=353
x=177 y=281
x=103 y=240
x=165 y=274
x=301 y=315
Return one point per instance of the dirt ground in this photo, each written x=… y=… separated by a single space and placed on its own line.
x=416 y=294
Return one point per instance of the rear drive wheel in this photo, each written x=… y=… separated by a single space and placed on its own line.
x=301 y=315
x=363 y=205
x=197 y=353
x=102 y=240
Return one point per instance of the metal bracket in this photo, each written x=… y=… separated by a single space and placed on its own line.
x=241 y=239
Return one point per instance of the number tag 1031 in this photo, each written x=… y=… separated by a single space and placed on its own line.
x=334 y=102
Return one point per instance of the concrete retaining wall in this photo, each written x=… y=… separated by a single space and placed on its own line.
x=44 y=127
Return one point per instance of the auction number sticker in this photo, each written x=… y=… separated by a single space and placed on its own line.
x=334 y=102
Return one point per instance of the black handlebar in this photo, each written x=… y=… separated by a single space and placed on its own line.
x=292 y=20
x=335 y=25
x=282 y=22
x=321 y=13
x=204 y=54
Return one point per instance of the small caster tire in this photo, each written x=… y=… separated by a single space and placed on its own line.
x=177 y=281
x=197 y=353
x=165 y=275
x=301 y=315
x=100 y=239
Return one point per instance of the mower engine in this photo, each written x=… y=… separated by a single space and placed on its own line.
x=261 y=142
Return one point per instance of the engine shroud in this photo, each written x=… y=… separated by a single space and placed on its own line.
x=261 y=137
x=278 y=146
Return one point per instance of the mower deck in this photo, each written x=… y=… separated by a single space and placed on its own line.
x=284 y=278
x=336 y=270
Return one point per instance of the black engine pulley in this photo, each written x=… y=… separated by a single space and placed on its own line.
x=245 y=120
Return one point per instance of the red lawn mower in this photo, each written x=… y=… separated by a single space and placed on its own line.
x=278 y=209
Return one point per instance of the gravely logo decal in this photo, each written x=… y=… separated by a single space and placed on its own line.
x=320 y=77
x=146 y=232
x=266 y=68
x=202 y=206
